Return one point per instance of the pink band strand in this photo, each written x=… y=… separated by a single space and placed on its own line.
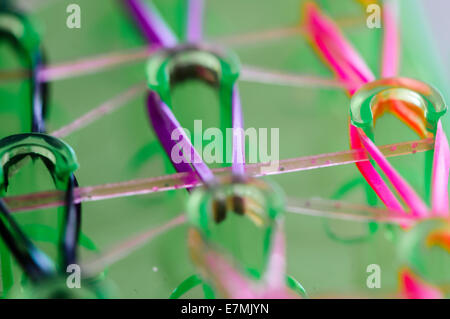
x=349 y=67
x=439 y=183
x=343 y=59
x=391 y=40
x=414 y=202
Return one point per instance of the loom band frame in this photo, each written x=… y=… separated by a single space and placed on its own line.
x=61 y=162
x=19 y=31
x=212 y=65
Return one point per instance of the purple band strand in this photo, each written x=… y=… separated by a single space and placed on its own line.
x=195 y=21
x=164 y=123
x=162 y=119
x=151 y=23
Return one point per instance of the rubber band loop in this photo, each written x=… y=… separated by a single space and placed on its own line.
x=372 y=227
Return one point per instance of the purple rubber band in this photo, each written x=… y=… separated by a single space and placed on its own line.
x=164 y=123
x=152 y=25
x=195 y=21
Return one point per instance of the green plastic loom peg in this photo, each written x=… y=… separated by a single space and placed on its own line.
x=61 y=162
x=54 y=150
x=214 y=66
x=238 y=217
x=364 y=103
x=416 y=103
x=20 y=32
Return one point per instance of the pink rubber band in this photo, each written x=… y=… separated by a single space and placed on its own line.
x=439 y=183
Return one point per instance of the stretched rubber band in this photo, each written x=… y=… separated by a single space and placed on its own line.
x=441 y=165
x=194 y=28
x=152 y=25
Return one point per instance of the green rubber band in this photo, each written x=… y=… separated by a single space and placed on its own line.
x=185 y=286
x=22 y=29
x=372 y=227
x=296 y=286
